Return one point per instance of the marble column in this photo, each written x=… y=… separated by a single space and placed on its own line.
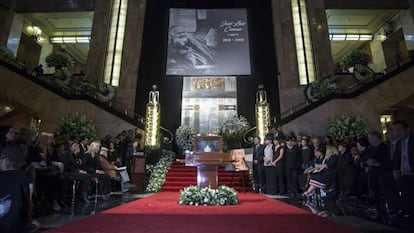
x=290 y=92
x=131 y=54
x=320 y=38
x=99 y=35
x=6 y=19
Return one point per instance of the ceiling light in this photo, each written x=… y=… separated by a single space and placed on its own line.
x=355 y=37
x=70 y=40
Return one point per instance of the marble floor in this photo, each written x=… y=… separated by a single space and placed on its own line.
x=353 y=212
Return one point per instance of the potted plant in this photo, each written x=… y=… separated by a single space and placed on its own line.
x=59 y=60
x=356 y=57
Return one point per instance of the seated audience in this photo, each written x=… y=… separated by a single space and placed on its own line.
x=92 y=165
x=113 y=171
x=71 y=170
x=323 y=173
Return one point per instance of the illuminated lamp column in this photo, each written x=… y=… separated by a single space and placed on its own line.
x=262 y=113
x=152 y=120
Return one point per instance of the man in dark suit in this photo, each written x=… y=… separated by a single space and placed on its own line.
x=398 y=188
x=83 y=145
x=258 y=165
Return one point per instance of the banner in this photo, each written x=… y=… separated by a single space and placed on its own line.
x=208 y=42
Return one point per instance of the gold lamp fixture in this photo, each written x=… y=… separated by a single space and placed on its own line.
x=34 y=32
x=262 y=113
x=152 y=120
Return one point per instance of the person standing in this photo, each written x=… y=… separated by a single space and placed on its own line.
x=398 y=188
x=278 y=164
x=270 y=170
x=291 y=166
x=258 y=165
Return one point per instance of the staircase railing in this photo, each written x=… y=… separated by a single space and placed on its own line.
x=351 y=91
x=114 y=107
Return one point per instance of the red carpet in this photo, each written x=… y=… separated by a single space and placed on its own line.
x=180 y=176
x=161 y=213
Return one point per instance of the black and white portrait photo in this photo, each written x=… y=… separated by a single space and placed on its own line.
x=208 y=42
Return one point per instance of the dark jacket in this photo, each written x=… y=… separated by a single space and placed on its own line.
x=258 y=153
x=397 y=154
x=291 y=158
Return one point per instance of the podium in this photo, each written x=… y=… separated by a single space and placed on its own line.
x=207 y=167
x=138 y=173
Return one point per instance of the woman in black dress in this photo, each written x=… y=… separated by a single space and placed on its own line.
x=278 y=163
x=92 y=166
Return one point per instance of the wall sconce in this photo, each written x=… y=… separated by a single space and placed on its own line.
x=152 y=120
x=34 y=32
x=262 y=113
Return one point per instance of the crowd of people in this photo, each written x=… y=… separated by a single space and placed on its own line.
x=37 y=171
x=368 y=167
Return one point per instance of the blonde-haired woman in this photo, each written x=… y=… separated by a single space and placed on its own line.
x=92 y=166
x=325 y=172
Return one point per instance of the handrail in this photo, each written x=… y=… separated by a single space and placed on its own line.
x=123 y=113
x=349 y=92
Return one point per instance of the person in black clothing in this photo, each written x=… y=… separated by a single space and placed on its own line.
x=92 y=166
x=132 y=150
x=7 y=135
x=15 y=200
x=345 y=170
x=398 y=187
x=376 y=163
x=278 y=163
x=292 y=163
x=362 y=167
x=83 y=146
x=258 y=165
x=67 y=158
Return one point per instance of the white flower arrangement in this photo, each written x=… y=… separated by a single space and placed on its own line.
x=158 y=172
x=347 y=127
x=233 y=129
x=184 y=137
x=193 y=195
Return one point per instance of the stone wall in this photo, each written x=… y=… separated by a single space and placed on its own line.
x=50 y=108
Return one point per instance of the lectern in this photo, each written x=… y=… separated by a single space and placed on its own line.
x=138 y=173
x=207 y=157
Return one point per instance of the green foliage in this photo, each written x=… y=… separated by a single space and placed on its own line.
x=233 y=130
x=194 y=195
x=184 y=137
x=58 y=60
x=75 y=127
x=356 y=57
x=158 y=172
x=347 y=127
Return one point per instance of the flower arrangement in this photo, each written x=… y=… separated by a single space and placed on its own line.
x=233 y=129
x=194 y=195
x=75 y=127
x=347 y=127
x=184 y=137
x=158 y=172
